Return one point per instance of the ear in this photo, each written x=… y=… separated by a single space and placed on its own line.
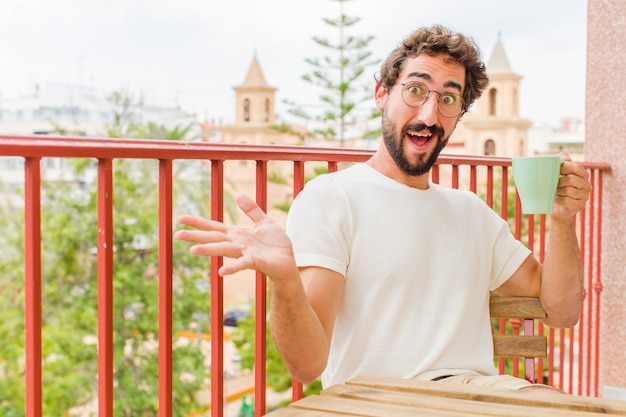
x=380 y=95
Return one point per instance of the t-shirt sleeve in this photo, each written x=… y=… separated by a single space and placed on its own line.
x=509 y=253
x=318 y=225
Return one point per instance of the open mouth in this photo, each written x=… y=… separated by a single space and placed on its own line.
x=420 y=139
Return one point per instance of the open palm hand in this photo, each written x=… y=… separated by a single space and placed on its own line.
x=264 y=247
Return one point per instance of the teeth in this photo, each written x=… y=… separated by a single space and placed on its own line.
x=425 y=135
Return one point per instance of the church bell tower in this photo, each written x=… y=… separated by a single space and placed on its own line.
x=493 y=126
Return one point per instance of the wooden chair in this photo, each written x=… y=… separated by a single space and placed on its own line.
x=526 y=345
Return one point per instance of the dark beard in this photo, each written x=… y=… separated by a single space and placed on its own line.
x=395 y=149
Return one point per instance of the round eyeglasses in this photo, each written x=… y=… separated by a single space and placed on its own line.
x=415 y=94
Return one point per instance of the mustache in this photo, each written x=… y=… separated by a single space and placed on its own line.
x=434 y=130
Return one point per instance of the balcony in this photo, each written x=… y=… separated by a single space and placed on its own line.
x=573 y=363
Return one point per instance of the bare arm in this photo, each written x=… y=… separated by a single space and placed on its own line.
x=559 y=281
x=303 y=308
x=302 y=323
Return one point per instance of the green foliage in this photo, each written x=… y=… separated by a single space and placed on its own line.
x=278 y=378
x=289 y=129
x=340 y=77
x=70 y=289
x=11 y=318
x=319 y=170
x=275 y=178
x=284 y=206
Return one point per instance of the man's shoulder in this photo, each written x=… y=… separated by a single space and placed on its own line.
x=457 y=193
x=463 y=199
x=358 y=171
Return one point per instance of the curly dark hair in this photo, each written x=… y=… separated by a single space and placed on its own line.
x=437 y=40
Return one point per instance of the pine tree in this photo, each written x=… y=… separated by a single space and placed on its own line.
x=340 y=76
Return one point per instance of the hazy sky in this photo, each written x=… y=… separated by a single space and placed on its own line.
x=192 y=52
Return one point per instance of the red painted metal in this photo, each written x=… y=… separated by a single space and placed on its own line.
x=583 y=340
x=473 y=175
x=489 y=196
x=530 y=373
x=165 y=288
x=298 y=185
x=516 y=324
x=539 y=365
x=32 y=285
x=260 y=338
x=434 y=174
x=217 y=297
x=504 y=197
x=298 y=177
x=570 y=359
x=105 y=288
x=597 y=286
x=590 y=294
x=100 y=148
x=455 y=176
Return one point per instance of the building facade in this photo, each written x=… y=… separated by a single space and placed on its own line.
x=493 y=125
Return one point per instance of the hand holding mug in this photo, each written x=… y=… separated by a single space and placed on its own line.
x=545 y=183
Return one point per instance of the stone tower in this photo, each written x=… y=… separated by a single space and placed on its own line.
x=254 y=98
x=254 y=112
x=493 y=126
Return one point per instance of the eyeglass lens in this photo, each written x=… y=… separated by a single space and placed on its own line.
x=415 y=94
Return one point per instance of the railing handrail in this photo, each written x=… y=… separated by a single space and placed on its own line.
x=90 y=147
x=102 y=147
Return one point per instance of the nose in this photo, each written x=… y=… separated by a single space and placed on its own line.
x=428 y=112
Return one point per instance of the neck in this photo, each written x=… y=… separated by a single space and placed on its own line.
x=382 y=162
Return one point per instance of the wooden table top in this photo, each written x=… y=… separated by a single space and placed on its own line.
x=395 y=397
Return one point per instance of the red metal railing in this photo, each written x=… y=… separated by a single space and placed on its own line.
x=487 y=176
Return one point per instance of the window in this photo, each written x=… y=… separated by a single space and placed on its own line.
x=493 y=102
x=490 y=147
x=246 y=110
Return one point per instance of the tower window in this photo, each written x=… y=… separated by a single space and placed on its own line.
x=493 y=102
x=246 y=110
x=490 y=147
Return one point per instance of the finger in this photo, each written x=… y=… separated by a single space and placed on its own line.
x=574 y=185
x=565 y=156
x=202 y=223
x=200 y=236
x=237 y=265
x=251 y=208
x=227 y=249
x=575 y=193
x=575 y=168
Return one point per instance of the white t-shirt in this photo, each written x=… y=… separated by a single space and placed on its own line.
x=419 y=266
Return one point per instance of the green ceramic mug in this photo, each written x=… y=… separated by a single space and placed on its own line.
x=536 y=178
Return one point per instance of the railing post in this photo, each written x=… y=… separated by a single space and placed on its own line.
x=105 y=288
x=165 y=288
x=260 y=339
x=298 y=185
x=217 y=297
x=32 y=269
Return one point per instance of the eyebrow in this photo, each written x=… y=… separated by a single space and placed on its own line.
x=426 y=76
